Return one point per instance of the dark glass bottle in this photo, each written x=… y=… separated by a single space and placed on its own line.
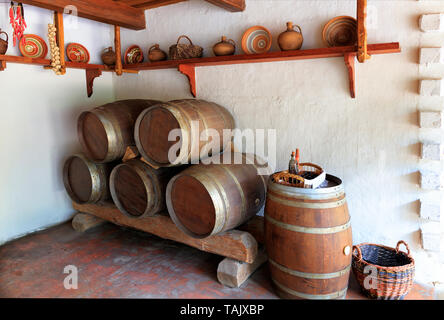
x=292 y=164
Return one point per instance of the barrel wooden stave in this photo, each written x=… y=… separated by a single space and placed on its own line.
x=138 y=190
x=106 y=131
x=309 y=260
x=153 y=127
x=208 y=199
x=86 y=181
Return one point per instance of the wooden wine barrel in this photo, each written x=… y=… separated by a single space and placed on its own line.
x=86 y=181
x=154 y=126
x=138 y=190
x=205 y=200
x=308 y=239
x=105 y=132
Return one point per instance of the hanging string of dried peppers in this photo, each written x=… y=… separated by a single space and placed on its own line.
x=17 y=21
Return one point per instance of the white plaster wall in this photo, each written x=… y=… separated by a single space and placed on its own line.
x=38 y=127
x=371 y=142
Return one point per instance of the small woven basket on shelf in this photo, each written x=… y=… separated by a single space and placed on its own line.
x=181 y=51
x=384 y=273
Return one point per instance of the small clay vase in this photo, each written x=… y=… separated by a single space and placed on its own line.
x=3 y=43
x=225 y=47
x=109 y=57
x=155 y=54
x=291 y=39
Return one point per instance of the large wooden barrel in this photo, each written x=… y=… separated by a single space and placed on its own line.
x=138 y=190
x=205 y=200
x=106 y=131
x=191 y=118
x=86 y=181
x=308 y=240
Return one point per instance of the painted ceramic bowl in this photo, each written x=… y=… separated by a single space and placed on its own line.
x=257 y=39
x=341 y=31
x=75 y=52
x=133 y=54
x=33 y=46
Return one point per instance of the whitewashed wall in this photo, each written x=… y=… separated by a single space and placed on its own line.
x=371 y=142
x=38 y=127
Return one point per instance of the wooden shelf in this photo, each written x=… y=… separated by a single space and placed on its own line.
x=349 y=53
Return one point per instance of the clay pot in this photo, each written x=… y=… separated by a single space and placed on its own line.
x=291 y=39
x=3 y=43
x=155 y=54
x=225 y=47
x=109 y=57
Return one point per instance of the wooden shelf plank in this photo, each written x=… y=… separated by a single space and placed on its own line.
x=106 y=11
x=380 y=48
x=234 y=244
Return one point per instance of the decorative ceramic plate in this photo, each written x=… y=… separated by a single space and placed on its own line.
x=341 y=31
x=75 y=52
x=256 y=40
x=133 y=55
x=33 y=46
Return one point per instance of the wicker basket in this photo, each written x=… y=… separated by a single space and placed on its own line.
x=181 y=51
x=384 y=273
x=310 y=176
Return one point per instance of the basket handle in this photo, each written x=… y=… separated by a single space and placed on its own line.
x=184 y=36
x=359 y=256
x=152 y=47
x=406 y=246
x=109 y=49
x=7 y=37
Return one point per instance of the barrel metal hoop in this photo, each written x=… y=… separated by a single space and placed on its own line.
x=185 y=153
x=239 y=187
x=333 y=295
x=309 y=192
x=142 y=172
x=308 y=205
x=113 y=135
x=317 y=276
x=310 y=230
x=307 y=196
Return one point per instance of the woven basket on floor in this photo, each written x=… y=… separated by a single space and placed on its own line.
x=384 y=273
x=181 y=51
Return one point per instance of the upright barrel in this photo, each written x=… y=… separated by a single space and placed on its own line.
x=204 y=200
x=106 y=131
x=138 y=190
x=86 y=181
x=191 y=118
x=308 y=240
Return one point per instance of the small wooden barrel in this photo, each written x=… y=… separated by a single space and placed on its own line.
x=86 y=181
x=205 y=200
x=138 y=190
x=188 y=116
x=308 y=240
x=105 y=132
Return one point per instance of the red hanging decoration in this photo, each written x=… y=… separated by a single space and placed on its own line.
x=17 y=21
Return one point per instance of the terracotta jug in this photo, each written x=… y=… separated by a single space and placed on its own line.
x=155 y=54
x=109 y=57
x=225 y=47
x=291 y=39
x=3 y=43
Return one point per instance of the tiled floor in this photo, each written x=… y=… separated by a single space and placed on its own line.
x=118 y=262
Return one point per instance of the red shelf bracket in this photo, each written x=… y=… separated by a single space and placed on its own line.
x=2 y=65
x=349 y=59
x=190 y=71
x=91 y=74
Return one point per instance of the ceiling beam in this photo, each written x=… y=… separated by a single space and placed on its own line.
x=106 y=11
x=230 y=5
x=149 y=4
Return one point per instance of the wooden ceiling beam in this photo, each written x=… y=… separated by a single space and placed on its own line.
x=230 y=5
x=106 y=11
x=149 y=4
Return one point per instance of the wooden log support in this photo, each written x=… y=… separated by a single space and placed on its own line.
x=234 y=244
x=118 y=49
x=349 y=59
x=83 y=222
x=362 y=31
x=106 y=11
x=60 y=38
x=91 y=74
x=131 y=153
x=233 y=274
x=190 y=71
